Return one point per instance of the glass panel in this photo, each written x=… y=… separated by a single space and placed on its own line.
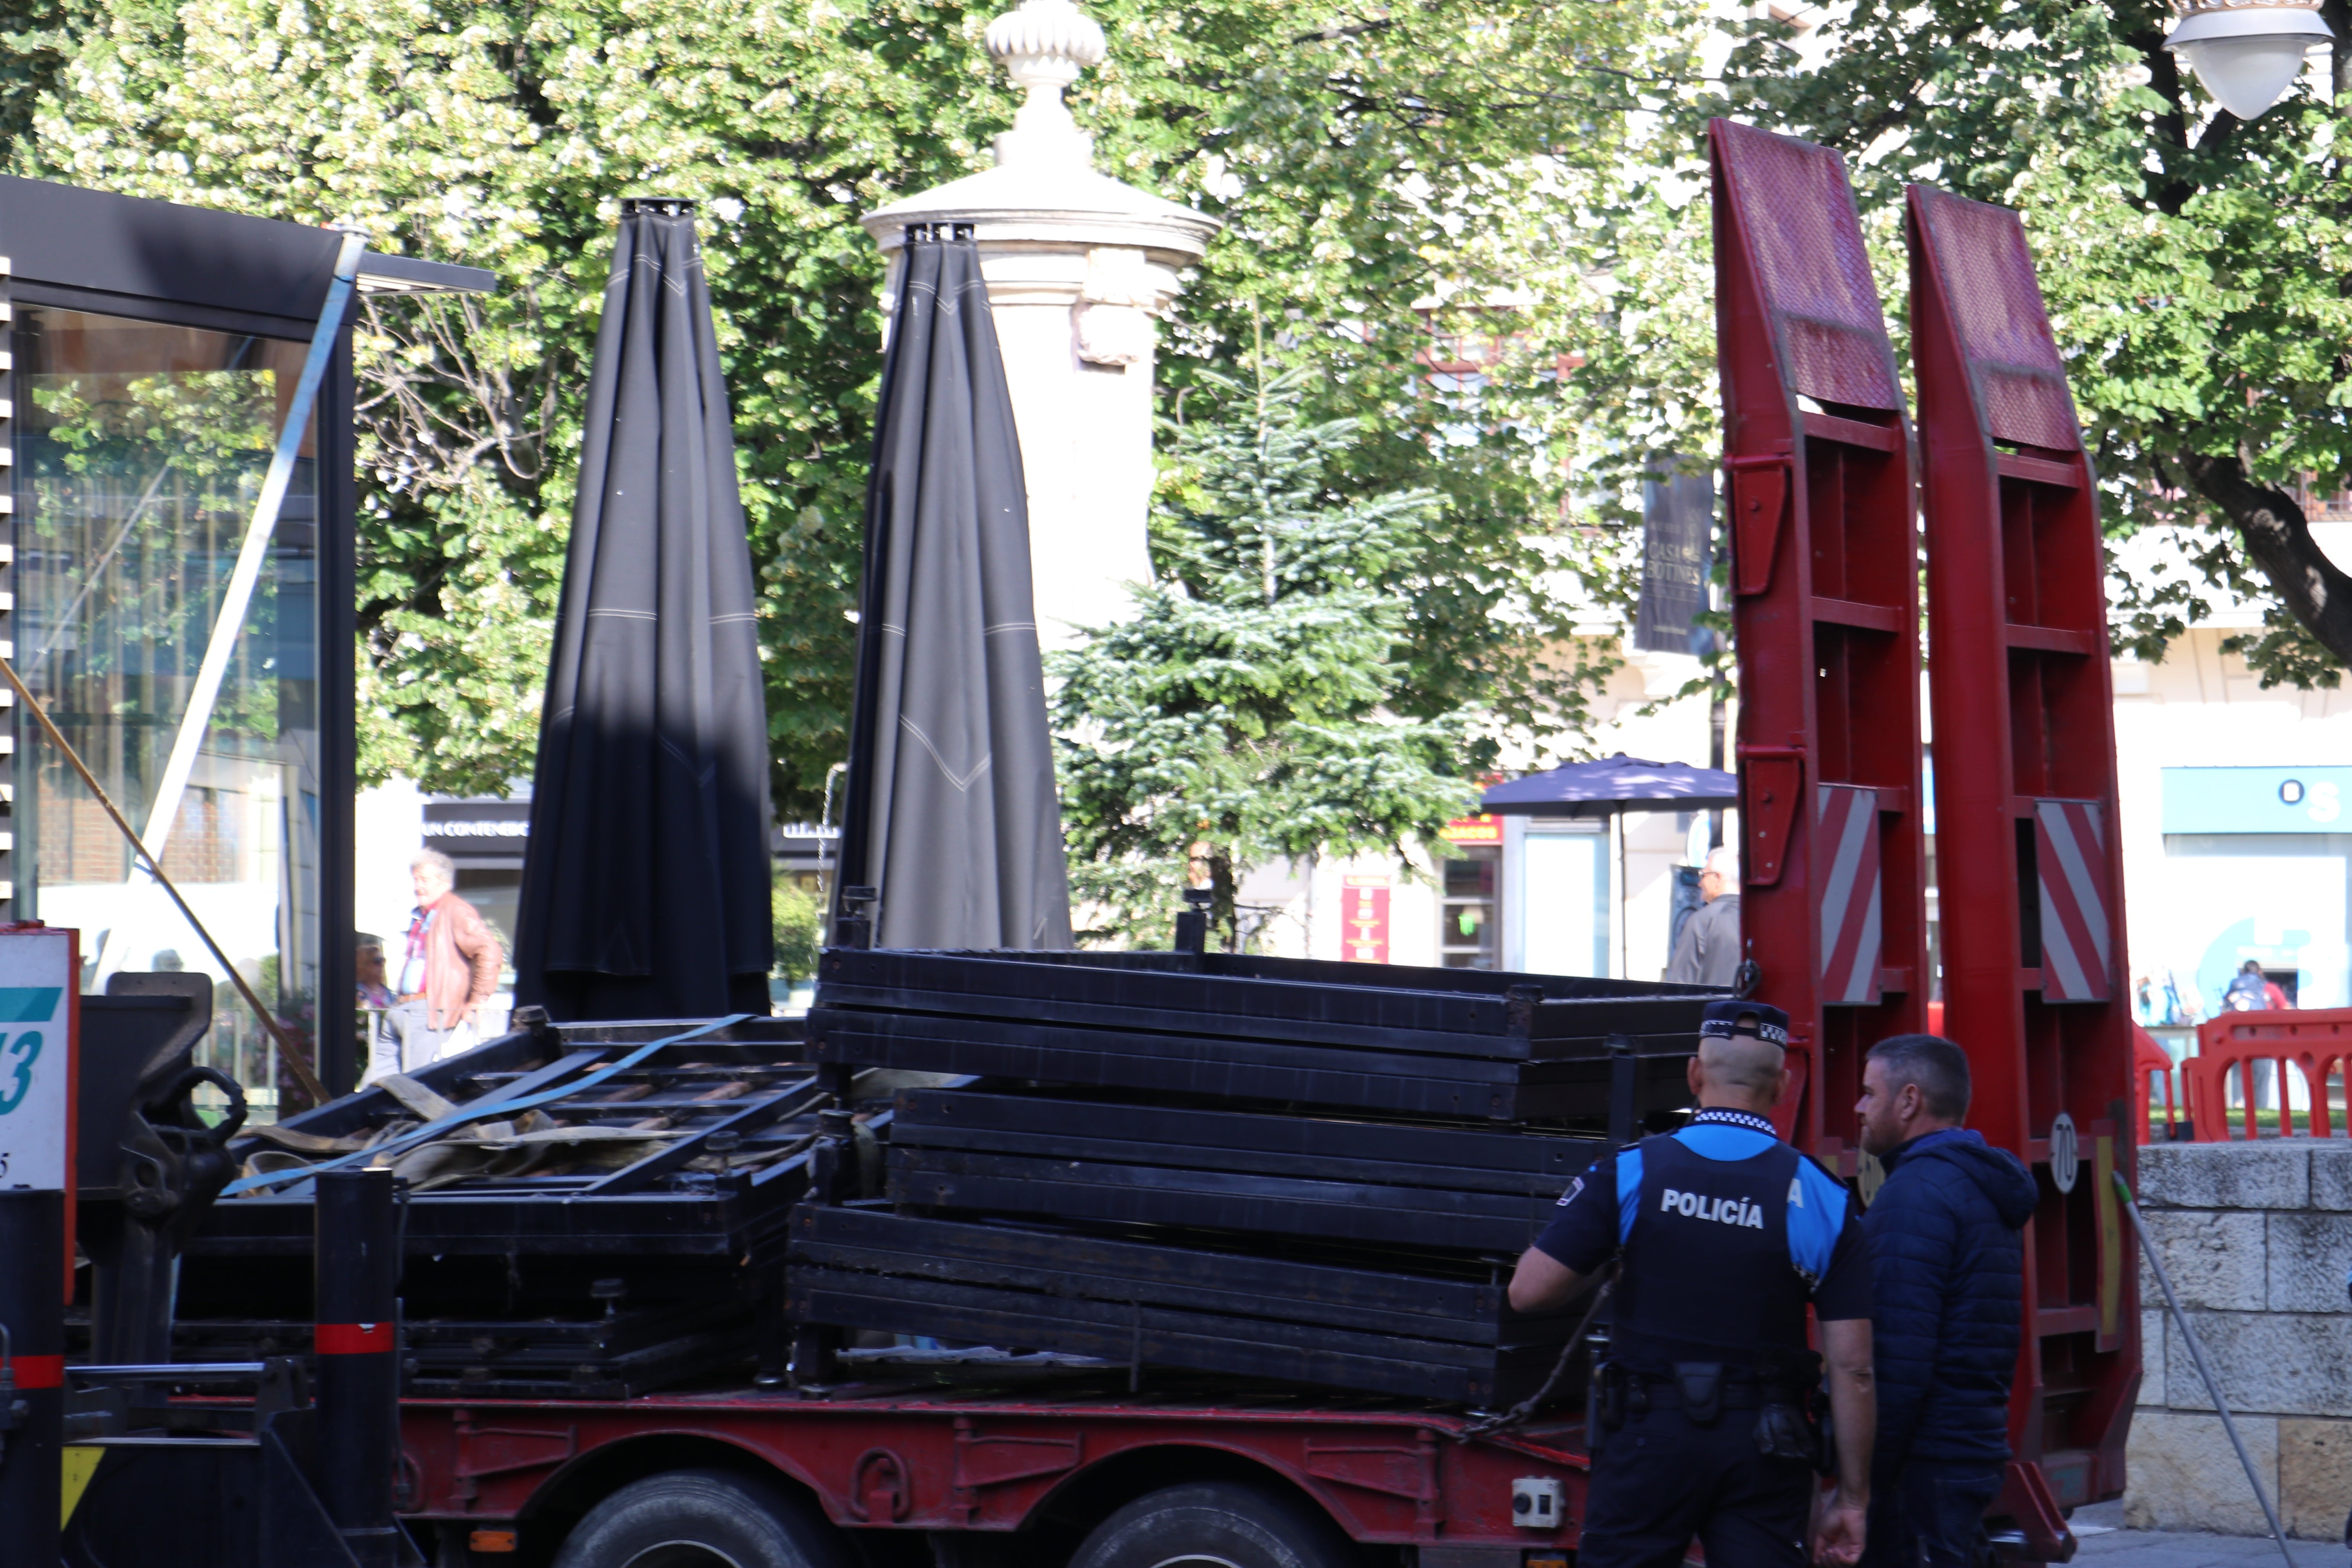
x=1467 y=931
x=141 y=452
x=1567 y=902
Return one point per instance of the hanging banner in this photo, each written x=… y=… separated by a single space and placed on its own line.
x=40 y=969
x=1678 y=553
x=1365 y=916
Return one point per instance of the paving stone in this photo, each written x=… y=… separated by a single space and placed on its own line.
x=2184 y=1475
x=2314 y=1475
x=2269 y=1174
x=2214 y=1256
x=2166 y=1549
x=2308 y=1254
x=2279 y=1363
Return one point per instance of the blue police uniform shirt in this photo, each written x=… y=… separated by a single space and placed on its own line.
x=1596 y=1215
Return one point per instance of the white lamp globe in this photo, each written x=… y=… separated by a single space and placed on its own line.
x=2248 y=56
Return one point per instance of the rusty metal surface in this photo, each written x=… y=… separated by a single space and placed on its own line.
x=2000 y=320
x=1797 y=214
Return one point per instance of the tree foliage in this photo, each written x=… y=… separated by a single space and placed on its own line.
x=2193 y=265
x=1377 y=171
x=1249 y=712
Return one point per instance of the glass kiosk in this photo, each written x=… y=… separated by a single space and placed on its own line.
x=153 y=352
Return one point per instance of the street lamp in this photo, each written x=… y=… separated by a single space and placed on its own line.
x=2248 y=52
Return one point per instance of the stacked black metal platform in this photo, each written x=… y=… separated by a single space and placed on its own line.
x=1320 y=1172
x=1423 y=1043
x=605 y=1270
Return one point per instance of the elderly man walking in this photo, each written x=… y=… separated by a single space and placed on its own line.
x=1707 y=952
x=1947 y=1284
x=450 y=969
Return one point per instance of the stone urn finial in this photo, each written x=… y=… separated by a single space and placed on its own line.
x=1043 y=46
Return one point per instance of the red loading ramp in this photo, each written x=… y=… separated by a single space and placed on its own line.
x=1825 y=600
x=2030 y=868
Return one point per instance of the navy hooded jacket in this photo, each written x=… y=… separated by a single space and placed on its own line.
x=1947 y=1280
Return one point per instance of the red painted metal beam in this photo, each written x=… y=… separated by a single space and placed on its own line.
x=960 y=1464
x=2029 y=860
x=1826 y=606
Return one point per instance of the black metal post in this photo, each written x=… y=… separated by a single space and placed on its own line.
x=32 y=1374
x=854 y=926
x=357 y=1279
x=1625 y=1091
x=1192 y=920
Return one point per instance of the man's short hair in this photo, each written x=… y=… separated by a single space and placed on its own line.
x=437 y=861
x=1724 y=861
x=1939 y=1068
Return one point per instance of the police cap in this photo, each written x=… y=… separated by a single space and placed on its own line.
x=1723 y=1019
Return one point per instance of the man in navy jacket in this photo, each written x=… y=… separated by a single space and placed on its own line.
x=1947 y=1276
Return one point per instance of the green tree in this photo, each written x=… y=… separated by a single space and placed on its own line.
x=2193 y=265
x=799 y=923
x=1382 y=176
x=1249 y=711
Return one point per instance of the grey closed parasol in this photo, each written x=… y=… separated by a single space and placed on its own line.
x=646 y=885
x=951 y=814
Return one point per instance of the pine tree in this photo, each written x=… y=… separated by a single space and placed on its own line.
x=1246 y=714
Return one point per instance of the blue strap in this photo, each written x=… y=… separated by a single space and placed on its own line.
x=478 y=1112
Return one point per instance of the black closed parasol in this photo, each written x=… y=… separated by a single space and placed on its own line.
x=645 y=889
x=951 y=814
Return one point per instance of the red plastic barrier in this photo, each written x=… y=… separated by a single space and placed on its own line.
x=2317 y=1043
x=2149 y=1058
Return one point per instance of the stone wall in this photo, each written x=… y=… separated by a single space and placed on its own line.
x=2257 y=1238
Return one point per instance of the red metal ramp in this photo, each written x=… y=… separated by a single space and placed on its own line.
x=2030 y=868
x=1825 y=600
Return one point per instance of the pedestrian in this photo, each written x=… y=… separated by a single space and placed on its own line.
x=1707 y=1401
x=2251 y=991
x=376 y=984
x=1707 y=952
x=1947 y=1267
x=450 y=969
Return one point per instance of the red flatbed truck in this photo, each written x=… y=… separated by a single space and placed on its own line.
x=946 y=1477
x=1068 y=1468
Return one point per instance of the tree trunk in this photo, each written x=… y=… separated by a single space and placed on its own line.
x=2313 y=589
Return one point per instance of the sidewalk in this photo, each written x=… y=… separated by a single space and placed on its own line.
x=2104 y=1542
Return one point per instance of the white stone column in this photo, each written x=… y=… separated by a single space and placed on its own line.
x=1079 y=267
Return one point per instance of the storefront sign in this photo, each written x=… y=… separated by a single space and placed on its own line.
x=2258 y=800
x=1473 y=830
x=39 y=970
x=1366 y=918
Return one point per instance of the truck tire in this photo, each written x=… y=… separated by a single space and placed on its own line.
x=702 y=1519
x=1216 y=1524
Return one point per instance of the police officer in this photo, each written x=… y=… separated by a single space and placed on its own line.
x=1726 y=1235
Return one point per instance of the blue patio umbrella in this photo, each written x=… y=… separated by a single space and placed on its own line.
x=1612 y=785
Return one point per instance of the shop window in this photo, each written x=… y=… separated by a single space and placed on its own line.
x=1467 y=908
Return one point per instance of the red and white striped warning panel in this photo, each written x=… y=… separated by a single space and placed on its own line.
x=2071 y=856
x=1847 y=823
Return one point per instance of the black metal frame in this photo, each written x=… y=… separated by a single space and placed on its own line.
x=601 y=1284
x=1372 y=1327
x=158 y=261
x=1474 y=1190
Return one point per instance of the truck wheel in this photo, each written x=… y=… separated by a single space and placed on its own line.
x=1216 y=1524
x=702 y=1519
